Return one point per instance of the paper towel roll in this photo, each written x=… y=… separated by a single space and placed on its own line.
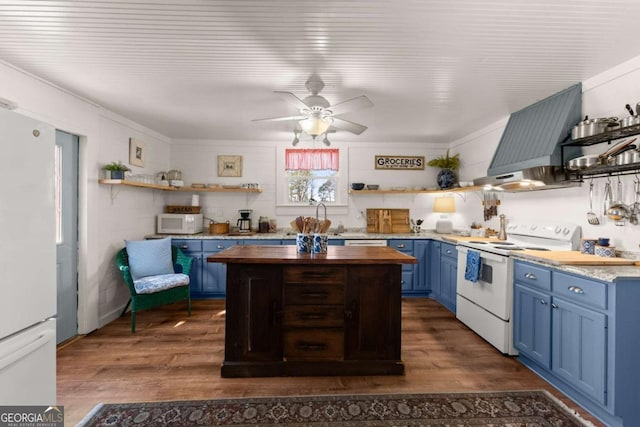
x=195 y=200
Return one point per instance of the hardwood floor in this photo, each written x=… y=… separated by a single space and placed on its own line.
x=175 y=357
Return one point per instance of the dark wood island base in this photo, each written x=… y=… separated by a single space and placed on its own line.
x=291 y=314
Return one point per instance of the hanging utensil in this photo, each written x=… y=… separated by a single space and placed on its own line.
x=592 y=218
x=633 y=216
x=630 y=110
x=607 y=196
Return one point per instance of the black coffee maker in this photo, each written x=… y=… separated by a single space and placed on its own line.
x=244 y=222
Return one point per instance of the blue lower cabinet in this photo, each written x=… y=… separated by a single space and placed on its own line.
x=410 y=283
x=192 y=248
x=207 y=279
x=581 y=335
x=421 y=276
x=261 y=242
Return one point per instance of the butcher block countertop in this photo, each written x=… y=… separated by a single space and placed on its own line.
x=576 y=258
x=607 y=272
x=288 y=254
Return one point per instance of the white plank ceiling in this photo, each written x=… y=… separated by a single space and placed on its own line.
x=435 y=69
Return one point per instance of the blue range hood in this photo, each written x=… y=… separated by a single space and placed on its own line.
x=529 y=155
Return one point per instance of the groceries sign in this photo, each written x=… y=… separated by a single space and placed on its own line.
x=400 y=162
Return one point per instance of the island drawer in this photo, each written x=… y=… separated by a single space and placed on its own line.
x=314 y=293
x=313 y=316
x=314 y=344
x=314 y=274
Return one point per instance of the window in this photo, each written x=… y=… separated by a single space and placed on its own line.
x=312 y=175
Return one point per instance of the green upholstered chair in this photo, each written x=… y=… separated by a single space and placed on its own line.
x=156 y=290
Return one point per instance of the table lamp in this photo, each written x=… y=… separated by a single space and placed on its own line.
x=444 y=205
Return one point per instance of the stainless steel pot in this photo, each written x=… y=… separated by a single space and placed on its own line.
x=630 y=121
x=584 y=162
x=590 y=127
x=628 y=157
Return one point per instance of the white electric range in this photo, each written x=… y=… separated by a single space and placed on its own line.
x=486 y=306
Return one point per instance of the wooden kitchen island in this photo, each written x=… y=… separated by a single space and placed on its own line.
x=291 y=314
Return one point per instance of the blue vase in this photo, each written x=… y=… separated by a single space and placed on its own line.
x=446 y=179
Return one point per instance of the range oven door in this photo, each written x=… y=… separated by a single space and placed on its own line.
x=493 y=291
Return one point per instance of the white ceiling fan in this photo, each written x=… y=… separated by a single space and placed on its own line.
x=317 y=114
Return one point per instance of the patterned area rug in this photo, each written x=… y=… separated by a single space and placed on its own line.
x=496 y=409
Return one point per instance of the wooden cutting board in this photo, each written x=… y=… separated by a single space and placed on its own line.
x=388 y=221
x=454 y=238
x=576 y=258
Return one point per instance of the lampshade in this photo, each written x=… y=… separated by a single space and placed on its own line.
x=315 y=124
x=446 y=204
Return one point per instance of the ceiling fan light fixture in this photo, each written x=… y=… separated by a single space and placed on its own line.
x=326 y=141
x=315 y=124
x=296 y=140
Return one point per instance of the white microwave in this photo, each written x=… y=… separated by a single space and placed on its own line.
x=180 y=223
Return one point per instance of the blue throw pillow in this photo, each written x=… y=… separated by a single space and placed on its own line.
x=149 y=257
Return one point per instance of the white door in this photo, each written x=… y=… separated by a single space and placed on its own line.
x=27 y=223
x=66 y=201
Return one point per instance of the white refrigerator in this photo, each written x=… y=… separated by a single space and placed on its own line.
x=27 y=261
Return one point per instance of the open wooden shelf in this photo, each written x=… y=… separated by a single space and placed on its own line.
x=408 y=191
x=189 y=189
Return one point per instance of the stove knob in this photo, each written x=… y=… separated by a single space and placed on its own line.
x=565 y=231
x=533 y=227
x=558 y=229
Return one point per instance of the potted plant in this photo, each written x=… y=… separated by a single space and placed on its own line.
x=448 y=165
x=115 y=170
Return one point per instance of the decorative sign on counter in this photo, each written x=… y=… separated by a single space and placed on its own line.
x=400 y=162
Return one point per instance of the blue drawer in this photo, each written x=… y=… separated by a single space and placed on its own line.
x=448 y=250
x=579 y=290
x=402 y=245
x=531 y=275
x=188 y=245
x=217 y=245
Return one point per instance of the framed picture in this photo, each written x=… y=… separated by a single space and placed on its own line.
x=137 y=152
x=229 y=165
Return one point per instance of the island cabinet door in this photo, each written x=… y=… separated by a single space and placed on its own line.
x=253 y=325
x=372 y=313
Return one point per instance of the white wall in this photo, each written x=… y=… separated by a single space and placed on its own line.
x=103 y=223
x=262 y=163
x=604 y=95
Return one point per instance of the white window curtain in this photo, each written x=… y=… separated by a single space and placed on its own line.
x=312 y=159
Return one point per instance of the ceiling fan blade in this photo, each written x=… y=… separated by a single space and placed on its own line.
x=280 y=119
x=292 y=99
x=348 y=126
x=357 y=103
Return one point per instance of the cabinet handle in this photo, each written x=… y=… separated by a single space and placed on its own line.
x=184 y=246
x=315 y=294
x=449 y=252
x=314 y=274
x=530 y=276
x=401 y=245
x=351 y=311
x=576 y=289
x=220 y=246
x=302 y=345
x=554 y=306
x=311 y=316
x=543 y=302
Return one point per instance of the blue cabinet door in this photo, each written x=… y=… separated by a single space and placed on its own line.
x=579 y=347
x=532 y=324
x=434 y=273
x=408 y=272
x=421 y=275
x=214 y=274
x=192 y=248
x=448 y=279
